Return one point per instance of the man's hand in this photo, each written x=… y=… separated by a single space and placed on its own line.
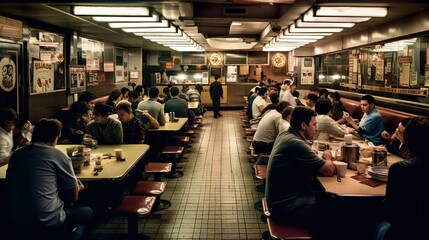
x=327 y=155
x=81 y=187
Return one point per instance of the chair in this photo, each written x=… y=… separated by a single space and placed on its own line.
x=279 y=230
x=152 y=188
x=172 y=154
x=158 y=168
x=134 y=207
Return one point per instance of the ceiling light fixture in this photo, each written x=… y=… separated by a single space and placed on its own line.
x=300 y=23
x=310 y=16
x=163 y=23
x=171 y=29
x=110 y=11
x=351 y=12
x=286 y=32
x=317 y=37
x=167 y=34
x=153 y=18
x=294 y=29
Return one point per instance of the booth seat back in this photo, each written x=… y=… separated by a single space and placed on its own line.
x=391 y=117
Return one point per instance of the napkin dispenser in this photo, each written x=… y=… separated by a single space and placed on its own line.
x=350 y=154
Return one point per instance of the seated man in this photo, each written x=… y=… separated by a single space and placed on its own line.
x=178 y=106
x=152 y=105
x=103 y=128
x=311 y=100
x=133 y=129
x=327 y=126
x=269 y=127
x=292 y=190
x=41 y=187
x=260 y=102
x=371 y=125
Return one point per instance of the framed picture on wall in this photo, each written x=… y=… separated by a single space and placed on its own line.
x=46 y=62
x=77 y=78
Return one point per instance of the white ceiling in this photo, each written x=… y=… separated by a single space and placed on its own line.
x=204 y=19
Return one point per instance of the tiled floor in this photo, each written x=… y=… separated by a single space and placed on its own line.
x=215 y=197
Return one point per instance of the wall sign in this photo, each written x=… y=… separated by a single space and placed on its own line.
x=278 y=60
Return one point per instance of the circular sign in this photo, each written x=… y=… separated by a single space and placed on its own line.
x=278 y=60
x=215 y=59
x=7 y=74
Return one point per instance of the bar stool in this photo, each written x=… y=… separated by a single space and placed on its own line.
x=158 y=168
x=134 y=207
x=173 y=153
x=152 y=188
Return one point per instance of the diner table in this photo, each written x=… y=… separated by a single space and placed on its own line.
x=353 y=187
x=113 y=170
x=171 y=126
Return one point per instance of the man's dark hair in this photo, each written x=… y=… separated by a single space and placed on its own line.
x=335 y=95
x=262 y=84
x=102 y=109
x=287 y=111
x=313 y=97
x=301 y=115
x=282 y=105
x=133 y=95
x=46 y=130
x=8 y=114
x=323 y=93
x=415 y=136
x=153 y=92
x=368 y=98
x=262 y=91
x=78 y=108
x=114 y=95
x=174 y=91
x=274 y=97
x=87 y=97
x=139 y=89
x=323 y=106
x=124 y=90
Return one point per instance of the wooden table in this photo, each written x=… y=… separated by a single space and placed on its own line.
x=113 y=170
x=171 y=126
x=351 y=187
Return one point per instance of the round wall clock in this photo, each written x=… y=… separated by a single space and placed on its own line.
x=278 y=60
x=215 y=59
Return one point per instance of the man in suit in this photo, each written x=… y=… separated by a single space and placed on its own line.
x=216 y=93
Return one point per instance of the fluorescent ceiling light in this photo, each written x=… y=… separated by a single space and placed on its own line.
x=282 y=36
x=163 y=23
x=180 y=46
x=294 y=29
x=287 y=33
x=300 y=23
x=171 y=29
x=190 y=42
x=165 y=38
x=295 y=40
x=236 y=24
x=110 y=11
x=177 y=40
x=153 y=18
x=309 y=16
x=172 y=34
x=351 y=11
x=278 y=49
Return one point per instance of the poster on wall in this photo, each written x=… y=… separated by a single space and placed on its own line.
x=77 y=78
x=43 y=77
x=92 y=51
x=307 y=71
x=8 y=69
x=404 y=71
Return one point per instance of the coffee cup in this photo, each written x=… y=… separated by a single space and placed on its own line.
x=341 y=168
x=361 y=167
x=119 y=153
x=98 y=157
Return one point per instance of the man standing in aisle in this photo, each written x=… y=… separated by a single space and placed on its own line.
x=216 y=93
